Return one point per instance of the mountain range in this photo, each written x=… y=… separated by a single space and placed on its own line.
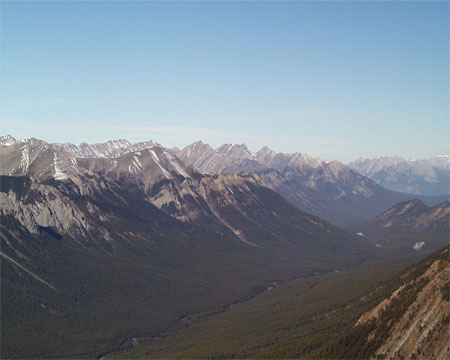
x=108 y=242
x=329 y=190
x=238 y=204
x=428 y=176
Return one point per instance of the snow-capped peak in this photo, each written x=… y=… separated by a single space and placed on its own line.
x=7 y=140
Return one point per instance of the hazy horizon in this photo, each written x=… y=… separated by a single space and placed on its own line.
x=336 y=80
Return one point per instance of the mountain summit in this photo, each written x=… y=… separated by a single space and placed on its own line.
x=428 y=176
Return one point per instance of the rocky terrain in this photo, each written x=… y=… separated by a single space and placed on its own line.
x=92 y=243
x=239 y=204
x=329 y=190
x=423 y=330
x=408 y=227
x=136 y=236
x=414 y=216
x=411 y=323
x=426 y=176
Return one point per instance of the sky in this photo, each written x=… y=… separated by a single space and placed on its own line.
x=337 y=80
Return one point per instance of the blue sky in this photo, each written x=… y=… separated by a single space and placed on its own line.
x=337 y=80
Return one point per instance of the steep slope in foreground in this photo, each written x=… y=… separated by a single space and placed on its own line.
x=412 y=323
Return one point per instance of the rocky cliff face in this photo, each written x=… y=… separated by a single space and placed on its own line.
x=39 y=206
x=423 y=329
x=80 y=208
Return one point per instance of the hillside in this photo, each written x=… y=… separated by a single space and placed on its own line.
x=411 y=323
x=411 y=226
x=413 y=216
x=89 y=261
x=304 y=318
x=99 y=253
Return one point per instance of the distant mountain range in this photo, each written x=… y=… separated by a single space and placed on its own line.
x=123 y=245
x=122 y=240
x=426 y=177
x=329 y=190
x=239 y=205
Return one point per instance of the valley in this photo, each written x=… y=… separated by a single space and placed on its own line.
x=133 y=253
x=291 y=320
x=224 y=180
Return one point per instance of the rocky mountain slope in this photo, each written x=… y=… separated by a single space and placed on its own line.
x=329 y=190
x=411 y=323
x=408 y=227
x=38 y=159
x=112 y=148
x=238 y=204
x=427 y=176
x=414 y=216
x=87 y=256
x=99 y=250
x=91 y=244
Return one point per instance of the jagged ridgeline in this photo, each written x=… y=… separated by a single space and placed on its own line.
x=105 y=245
x=99 y=250
x=329 y=190
x=426 y=176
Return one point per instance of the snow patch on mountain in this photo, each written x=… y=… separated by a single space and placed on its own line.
x=155 y=158
x=25 y=160
x=7 y=140
x=59 y=173
x=174 y=162
x=418 y=176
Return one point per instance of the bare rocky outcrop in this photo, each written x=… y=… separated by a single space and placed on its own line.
x=422 y=330
x=43 y=206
